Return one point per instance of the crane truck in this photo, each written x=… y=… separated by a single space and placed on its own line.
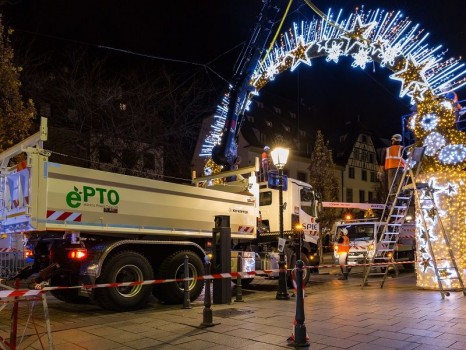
x=102 y=227
x=94 y=227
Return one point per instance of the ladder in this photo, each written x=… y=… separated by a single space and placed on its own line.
x=397 y=204
x=393 y=216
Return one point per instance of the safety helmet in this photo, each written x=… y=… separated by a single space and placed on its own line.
x=397 y=137
x=266 y=148
x=344 y=230
x=452 y=96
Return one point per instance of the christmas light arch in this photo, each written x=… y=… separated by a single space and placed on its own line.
x=426 y=77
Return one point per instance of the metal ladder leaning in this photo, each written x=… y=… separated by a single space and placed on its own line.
x=424 y=198
x=393 y=217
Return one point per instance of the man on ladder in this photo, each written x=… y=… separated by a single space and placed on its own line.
x=394 y=162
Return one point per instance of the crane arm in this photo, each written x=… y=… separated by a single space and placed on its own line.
x=240 y=91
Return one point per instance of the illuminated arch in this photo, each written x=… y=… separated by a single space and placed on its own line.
x=382 y=37
x=426 y=76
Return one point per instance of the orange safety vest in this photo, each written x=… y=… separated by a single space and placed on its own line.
x=345 y=245
x=265 y=158
x=393 y=157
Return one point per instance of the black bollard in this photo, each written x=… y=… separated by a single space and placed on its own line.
x=207 y=318
x=239 y=269
x=300 y=336
x=186 y=297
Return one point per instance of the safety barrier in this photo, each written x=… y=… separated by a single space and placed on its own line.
x=43 y=289
x=11 y=262
x=12 y=342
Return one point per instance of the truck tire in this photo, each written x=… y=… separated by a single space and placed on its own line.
x=126 y=266
x=173 y=267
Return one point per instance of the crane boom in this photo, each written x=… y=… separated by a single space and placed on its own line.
x=225 y=151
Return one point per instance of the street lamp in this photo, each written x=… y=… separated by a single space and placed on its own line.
x=279 y=158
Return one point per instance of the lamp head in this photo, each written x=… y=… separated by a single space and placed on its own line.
x=279 y=157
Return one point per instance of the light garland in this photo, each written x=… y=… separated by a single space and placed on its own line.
x=377 y=36
x=448 y=194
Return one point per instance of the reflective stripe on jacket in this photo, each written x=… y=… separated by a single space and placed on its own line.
x=393 y=157
x=344 y=246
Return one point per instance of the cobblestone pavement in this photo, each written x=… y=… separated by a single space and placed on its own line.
x=339 y=315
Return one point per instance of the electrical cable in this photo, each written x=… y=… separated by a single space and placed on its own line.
x=277 y=32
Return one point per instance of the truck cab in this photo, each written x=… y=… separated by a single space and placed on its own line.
x=300 y=210
x=300 y=204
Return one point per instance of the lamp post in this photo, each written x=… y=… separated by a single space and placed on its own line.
x=279 y=158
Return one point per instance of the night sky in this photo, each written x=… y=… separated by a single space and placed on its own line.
x=210 y=31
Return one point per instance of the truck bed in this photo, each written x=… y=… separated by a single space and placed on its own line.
x=46 y=196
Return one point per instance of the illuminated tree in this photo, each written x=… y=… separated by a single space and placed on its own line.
x=323 y=179
x=16 y=115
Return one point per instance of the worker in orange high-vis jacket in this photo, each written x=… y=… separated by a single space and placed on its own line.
x=394 y=162
x=265 y=164
x=343 y=247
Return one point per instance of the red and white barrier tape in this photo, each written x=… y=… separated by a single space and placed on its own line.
x=34 y=292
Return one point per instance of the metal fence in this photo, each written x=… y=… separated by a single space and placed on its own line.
x=11 y=263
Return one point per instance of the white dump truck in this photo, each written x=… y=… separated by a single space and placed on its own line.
x=102 y=227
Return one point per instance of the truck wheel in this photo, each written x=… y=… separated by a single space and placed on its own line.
x=173 y=267
x=127 y=266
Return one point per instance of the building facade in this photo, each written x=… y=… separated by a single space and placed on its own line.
x=354 y=149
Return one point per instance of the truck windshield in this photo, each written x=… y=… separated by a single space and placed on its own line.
x=308 y=201
x=359 y=232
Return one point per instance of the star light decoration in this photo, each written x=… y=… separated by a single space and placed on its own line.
x=413 y=78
